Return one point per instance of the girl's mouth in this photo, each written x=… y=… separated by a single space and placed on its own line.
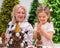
x=20 y=17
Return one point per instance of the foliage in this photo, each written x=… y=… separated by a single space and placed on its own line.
x=5 y=15
x=7 y=5
x=32 y=17
x=55 y=16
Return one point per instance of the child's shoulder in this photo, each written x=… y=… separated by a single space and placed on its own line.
x=10 y=23
x=50 y=23
x=36 y=23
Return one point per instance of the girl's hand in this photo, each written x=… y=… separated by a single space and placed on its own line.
x=39 y=27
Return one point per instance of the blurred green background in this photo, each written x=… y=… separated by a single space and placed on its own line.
x=7 y=5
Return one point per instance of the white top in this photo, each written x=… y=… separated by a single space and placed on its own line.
x=48 y=27
x=24 y=26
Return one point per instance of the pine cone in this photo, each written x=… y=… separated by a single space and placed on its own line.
x=38 y=36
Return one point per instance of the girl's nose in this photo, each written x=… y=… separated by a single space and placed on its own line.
x=20 y=14
x=41 y=18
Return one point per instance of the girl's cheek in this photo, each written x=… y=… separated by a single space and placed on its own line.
x=39 y=19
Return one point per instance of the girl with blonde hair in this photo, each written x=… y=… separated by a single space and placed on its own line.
x=19 y=15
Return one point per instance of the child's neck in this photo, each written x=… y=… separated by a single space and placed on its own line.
x=44 y=23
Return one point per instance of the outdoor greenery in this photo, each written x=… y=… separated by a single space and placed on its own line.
x=7 y=5
x=5 y=14
x=32 y=17
x=55 y=17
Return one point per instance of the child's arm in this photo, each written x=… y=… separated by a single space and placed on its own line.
x=35 y=35
x=7 y=35
x=48 y=34
x=36 y=32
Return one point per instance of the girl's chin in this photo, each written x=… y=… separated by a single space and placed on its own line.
x=20 y=20
x=44 y=22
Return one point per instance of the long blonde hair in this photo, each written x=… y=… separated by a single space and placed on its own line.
x=15 y=8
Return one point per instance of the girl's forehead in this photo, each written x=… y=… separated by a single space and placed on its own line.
x=21 y=9
x=42 y=13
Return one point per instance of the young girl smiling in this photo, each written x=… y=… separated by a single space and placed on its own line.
x=19 y=15
x=44 y=27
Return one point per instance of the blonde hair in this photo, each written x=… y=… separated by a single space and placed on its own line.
x=43 y=9
x=15 y=8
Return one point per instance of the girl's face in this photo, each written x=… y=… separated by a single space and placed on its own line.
x=42 y=17
x=20 y=14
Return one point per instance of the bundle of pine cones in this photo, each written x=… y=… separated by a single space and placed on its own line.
x=17 y=38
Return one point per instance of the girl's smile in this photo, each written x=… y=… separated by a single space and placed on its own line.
x=42 y=17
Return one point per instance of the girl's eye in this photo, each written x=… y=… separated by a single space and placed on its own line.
x=18 y=12
x=39 y=16
x=43 y=16
x=23 y=12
